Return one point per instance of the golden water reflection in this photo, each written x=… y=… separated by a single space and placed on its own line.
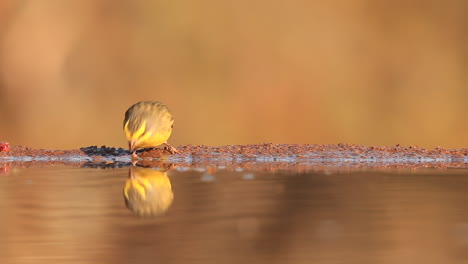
x=148 y=191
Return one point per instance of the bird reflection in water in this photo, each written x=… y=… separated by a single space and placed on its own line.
x=148 y=191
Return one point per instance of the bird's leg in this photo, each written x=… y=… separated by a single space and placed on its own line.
x=131 y=144
x=170 y=148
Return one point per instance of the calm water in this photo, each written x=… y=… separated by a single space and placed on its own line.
x=80 y=215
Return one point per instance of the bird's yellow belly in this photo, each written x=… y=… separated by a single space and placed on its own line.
x=152 y=140
x=141 y=138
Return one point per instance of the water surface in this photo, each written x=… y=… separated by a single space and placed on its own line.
x=60 y=214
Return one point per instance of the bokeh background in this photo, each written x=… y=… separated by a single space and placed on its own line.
x=236 y=72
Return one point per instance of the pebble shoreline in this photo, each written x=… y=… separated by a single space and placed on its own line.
x=282 y=155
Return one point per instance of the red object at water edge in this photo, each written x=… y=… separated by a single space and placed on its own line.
x=5 y=170
x=4 y=146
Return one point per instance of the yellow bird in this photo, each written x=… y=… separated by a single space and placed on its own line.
x=148 y=124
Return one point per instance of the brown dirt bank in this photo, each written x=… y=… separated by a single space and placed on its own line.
x=263 y=155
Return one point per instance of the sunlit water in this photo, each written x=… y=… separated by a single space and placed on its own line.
x=227 y=215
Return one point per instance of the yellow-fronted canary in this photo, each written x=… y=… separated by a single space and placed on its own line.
x=148 y=124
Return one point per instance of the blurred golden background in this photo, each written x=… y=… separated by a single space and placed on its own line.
x=236 y=72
